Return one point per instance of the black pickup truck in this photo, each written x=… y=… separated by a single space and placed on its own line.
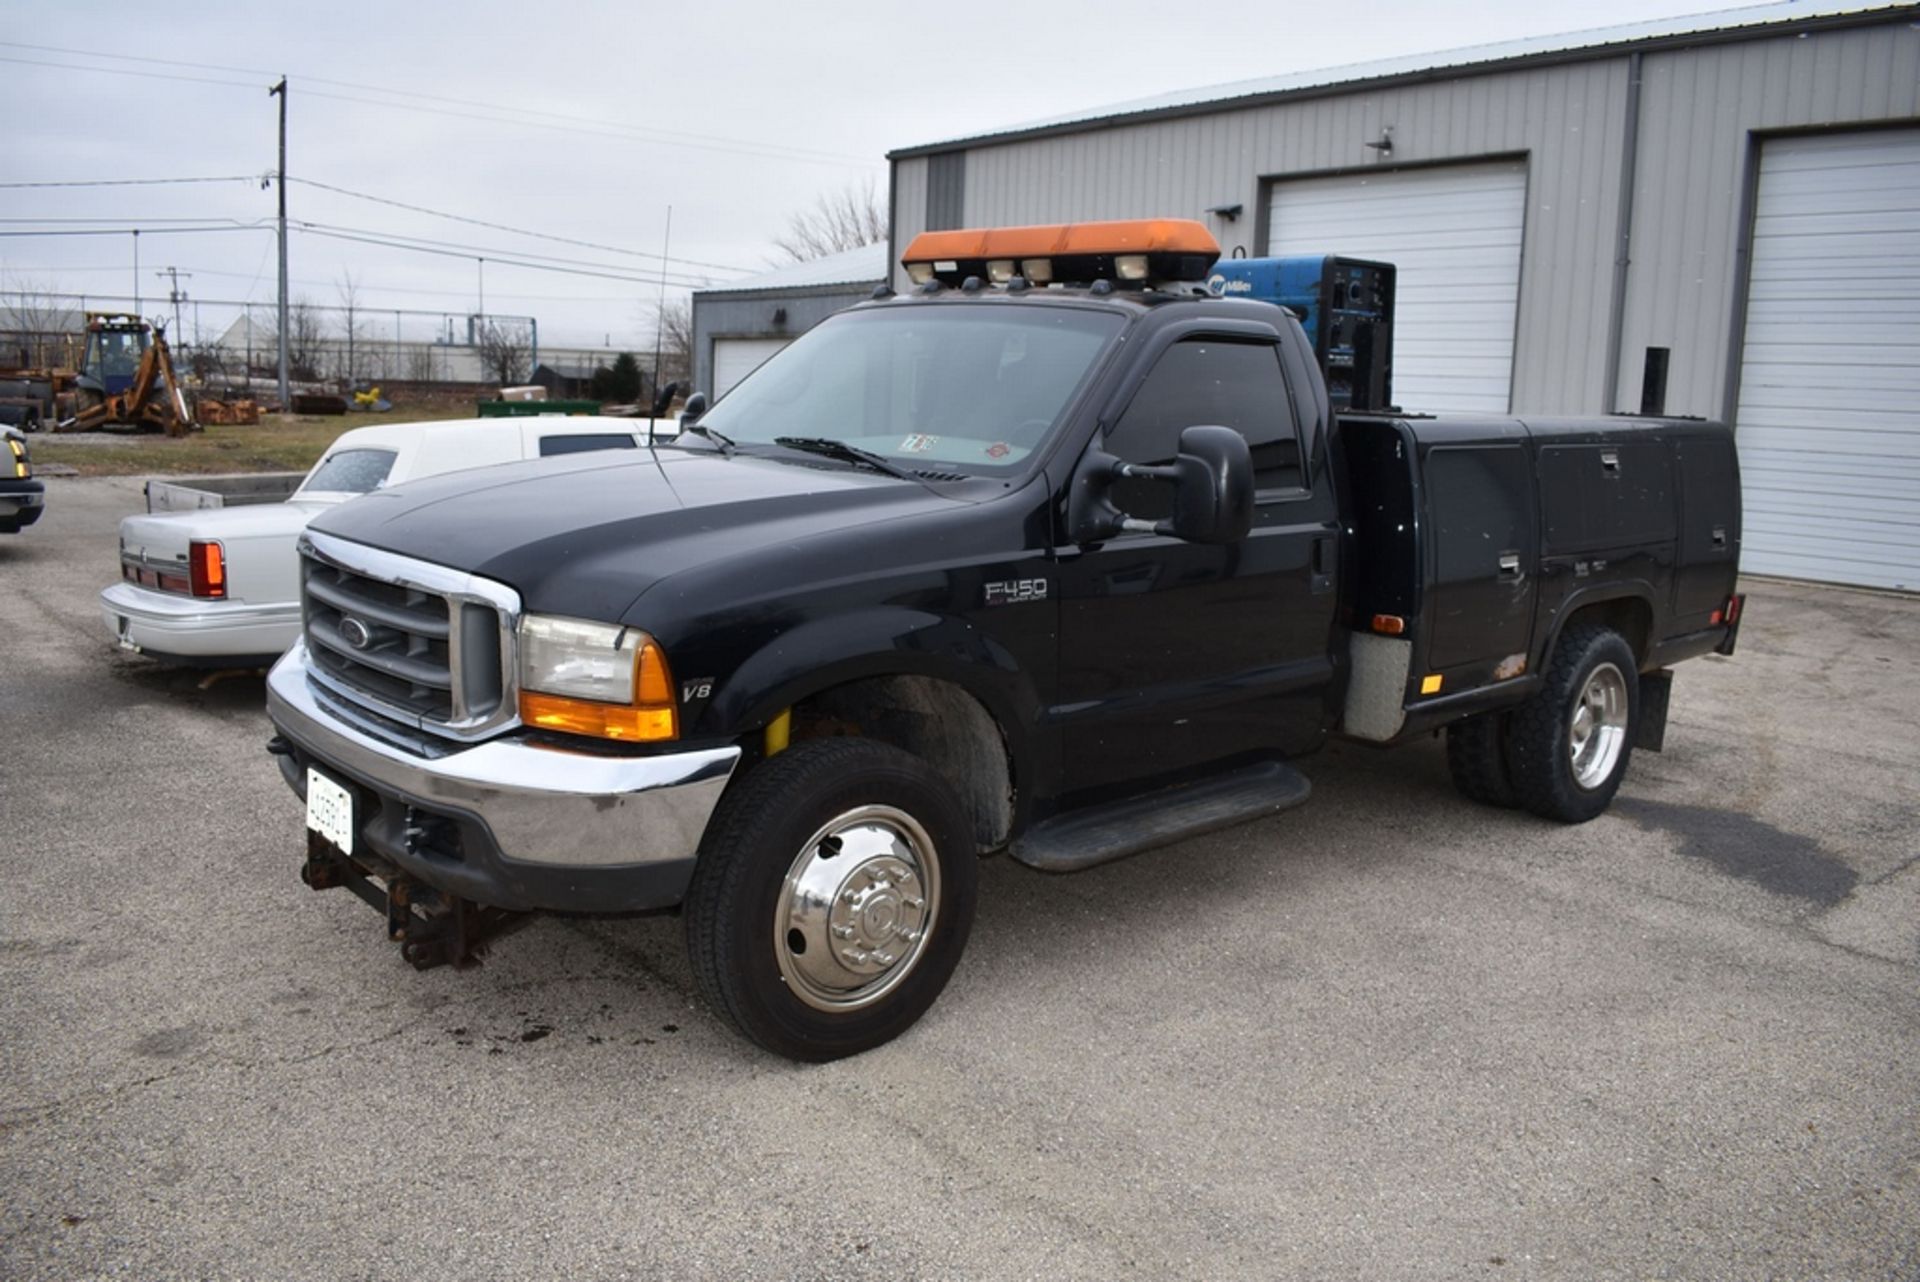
x=1062 y=568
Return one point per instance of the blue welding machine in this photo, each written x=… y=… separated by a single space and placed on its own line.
x=1344 y=304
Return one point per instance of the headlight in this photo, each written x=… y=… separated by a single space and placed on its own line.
x=597 y=679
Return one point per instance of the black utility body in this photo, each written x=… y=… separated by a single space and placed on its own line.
x=1066 y=606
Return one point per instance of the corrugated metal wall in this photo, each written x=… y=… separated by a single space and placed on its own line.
x=1698 y=109
x=1567 y=120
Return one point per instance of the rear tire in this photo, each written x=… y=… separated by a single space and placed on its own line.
x=1477 y=759
x=832 y=899
x=1568 y=746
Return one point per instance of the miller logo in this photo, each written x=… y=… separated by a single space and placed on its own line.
x=355 y=633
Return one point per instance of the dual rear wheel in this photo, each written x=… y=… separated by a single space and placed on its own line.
x=1563 y=752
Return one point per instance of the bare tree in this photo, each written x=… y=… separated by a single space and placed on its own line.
x=673 y=334
x=504 y=349
x=306 y=340
x=35 y=325
x=352 y=363
x=420 y=363
x=835 y=223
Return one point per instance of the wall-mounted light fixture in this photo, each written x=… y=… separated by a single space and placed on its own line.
x=1385 y=145
x=1227 y=213
x=779 y=316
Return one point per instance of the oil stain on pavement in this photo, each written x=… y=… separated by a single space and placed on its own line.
x=1782 y=862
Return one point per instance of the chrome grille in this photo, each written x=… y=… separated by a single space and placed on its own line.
x=387 y=640
x=409 y=640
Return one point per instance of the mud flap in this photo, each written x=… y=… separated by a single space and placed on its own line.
x=1656 y=689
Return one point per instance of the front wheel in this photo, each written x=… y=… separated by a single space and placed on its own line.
x=1568 y=746
x=832 y=898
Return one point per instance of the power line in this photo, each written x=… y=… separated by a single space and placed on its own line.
x=126 y=71
x=491 y=254
x=312 y=230
x=493 y=113
x=146 y=230
x=136 y=182
x=518 y=231
x=429 y=97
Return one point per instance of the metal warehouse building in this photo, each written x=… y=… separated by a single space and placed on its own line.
x=741 y=323
x=1717 y=216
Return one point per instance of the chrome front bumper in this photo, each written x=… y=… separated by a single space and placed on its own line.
x=582 y=817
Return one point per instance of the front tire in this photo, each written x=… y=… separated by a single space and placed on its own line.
x=832 y=899
x=1568 y=746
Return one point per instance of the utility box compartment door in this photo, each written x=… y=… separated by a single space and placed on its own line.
x=1709 y=531
x=1480 y=513
x=1606 y=497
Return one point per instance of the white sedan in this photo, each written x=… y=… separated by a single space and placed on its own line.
x=220 y=587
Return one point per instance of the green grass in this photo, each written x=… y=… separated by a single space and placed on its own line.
x=278 y=443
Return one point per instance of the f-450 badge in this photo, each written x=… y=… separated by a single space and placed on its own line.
x=1016 y=591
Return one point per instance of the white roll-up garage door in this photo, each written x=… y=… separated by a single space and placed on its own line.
x=1829 y=410
x=1454 y=233
x=735 y=358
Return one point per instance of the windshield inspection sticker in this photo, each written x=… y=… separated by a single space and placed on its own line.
x=918 y=443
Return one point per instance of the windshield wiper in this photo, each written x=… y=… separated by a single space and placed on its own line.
x=829 y=448
x=727 y=447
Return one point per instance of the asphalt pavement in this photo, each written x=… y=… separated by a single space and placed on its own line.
x=1390 y=1035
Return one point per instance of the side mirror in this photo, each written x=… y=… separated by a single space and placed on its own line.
x=1212 y=487
x=696 y=406
x=1212 y=480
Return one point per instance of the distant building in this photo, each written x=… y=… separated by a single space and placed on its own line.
x=567 y=380
x=738 y=325
x=1715 y=216
x=250 y=343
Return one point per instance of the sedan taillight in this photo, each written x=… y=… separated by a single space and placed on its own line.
x=206 y=569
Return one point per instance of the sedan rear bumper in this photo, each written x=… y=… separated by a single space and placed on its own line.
x=169 y=626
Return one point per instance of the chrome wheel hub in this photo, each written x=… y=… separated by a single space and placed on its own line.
x=1597 y=730
x=855 y=909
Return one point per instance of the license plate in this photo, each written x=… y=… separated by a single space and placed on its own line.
x=330 y=810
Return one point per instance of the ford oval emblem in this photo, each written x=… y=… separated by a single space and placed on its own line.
x=355 y=633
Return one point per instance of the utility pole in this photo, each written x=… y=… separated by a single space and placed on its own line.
x=174 y=296
x=136 y=271
x=280 y=91
x=483 y=291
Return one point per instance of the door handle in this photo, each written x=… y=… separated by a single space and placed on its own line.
x=1510 y=565
x=1320 y=565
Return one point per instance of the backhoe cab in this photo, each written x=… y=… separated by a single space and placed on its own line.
x=127 y=379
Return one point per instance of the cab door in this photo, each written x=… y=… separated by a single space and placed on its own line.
x=1176 y=654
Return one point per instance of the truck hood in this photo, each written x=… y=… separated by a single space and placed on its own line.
x=163 y=536
x=586 y=534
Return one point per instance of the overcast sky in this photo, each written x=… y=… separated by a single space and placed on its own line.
x=583 y=121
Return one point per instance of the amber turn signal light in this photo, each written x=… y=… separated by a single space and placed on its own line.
x=652 y=717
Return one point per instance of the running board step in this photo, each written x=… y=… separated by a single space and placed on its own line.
x=1089 y=837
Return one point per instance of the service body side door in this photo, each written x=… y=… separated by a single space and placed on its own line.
x=1176 y=654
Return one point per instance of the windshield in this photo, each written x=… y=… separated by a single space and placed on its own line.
x=350 y=472
x=972 y=389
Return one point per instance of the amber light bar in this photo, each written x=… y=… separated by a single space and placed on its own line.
x=1137 y=249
